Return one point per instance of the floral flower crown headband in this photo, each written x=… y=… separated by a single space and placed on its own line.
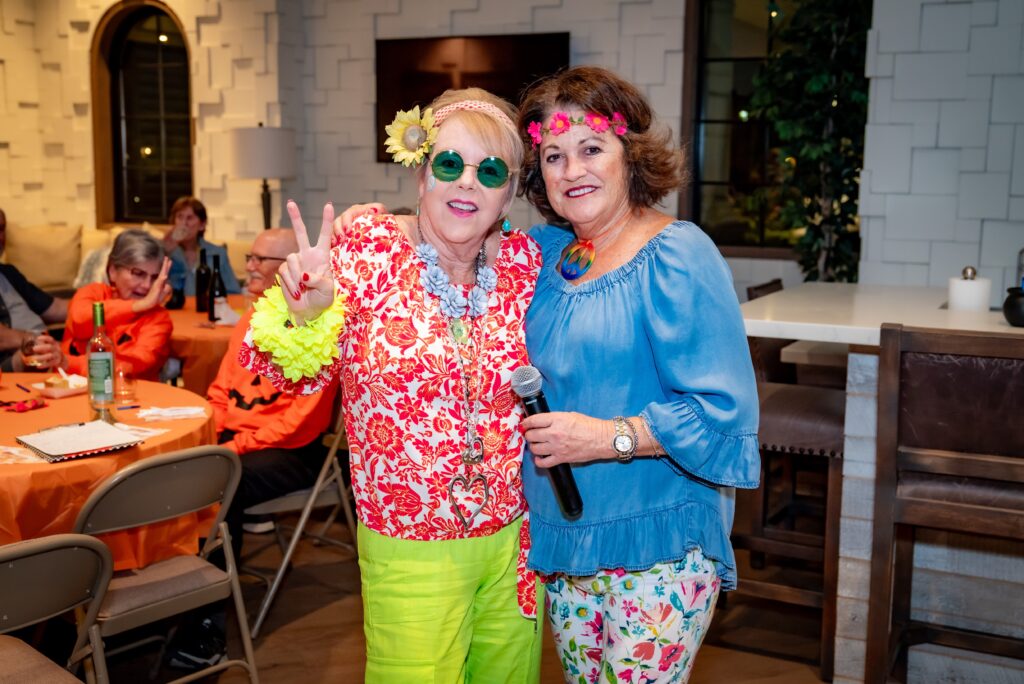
x=411 y=136
x=560 y=122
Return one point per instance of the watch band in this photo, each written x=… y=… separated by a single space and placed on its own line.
x=624 y=428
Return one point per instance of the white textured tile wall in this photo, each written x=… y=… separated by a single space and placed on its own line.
x=46 y=152
x=302 y=64
x=642 y=41
x=930 y=200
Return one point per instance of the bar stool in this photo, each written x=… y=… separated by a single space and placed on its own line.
x=801 y=436
x=950 y=457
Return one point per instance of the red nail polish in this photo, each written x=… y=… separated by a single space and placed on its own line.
x=305 y=276
x=373 y=209
x=296 y=295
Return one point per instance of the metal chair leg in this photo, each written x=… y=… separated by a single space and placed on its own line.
x=290 y=551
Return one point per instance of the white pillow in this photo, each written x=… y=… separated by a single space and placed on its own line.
x=93 y=268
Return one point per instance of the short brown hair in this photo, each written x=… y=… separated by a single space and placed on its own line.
x=188 y=202
x=656 y=165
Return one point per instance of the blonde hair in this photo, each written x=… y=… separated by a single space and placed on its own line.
x=505 y=141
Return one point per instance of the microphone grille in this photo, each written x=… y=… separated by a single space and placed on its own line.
x=526 y=381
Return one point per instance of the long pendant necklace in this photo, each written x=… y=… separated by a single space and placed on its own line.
x=454 y=306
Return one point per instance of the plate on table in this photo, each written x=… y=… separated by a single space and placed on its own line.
x=59 y=392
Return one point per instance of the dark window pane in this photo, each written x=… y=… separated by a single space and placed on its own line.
x=730 y=217
x=142 y=141
x=727 y=89
x=153 y=147
x=734 y=154
x=736 y=28
x=178 y=151
x=143 y=192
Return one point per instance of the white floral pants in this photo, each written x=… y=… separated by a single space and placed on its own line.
x=640 y=627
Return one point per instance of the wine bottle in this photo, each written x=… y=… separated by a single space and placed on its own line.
x=218 y=291
x=99 y=354
x=202 y=283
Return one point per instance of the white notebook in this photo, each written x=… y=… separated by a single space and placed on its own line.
x=65 y=442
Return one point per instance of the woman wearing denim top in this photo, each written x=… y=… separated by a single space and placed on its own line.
x=637 y=332
x=183 y=242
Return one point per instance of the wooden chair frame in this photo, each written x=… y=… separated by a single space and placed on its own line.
x=890 y=627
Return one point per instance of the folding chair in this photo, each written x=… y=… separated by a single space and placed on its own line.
x=328 y=490
x=39 y=579
x=150 y=491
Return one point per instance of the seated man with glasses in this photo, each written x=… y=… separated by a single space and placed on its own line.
x=275 y=434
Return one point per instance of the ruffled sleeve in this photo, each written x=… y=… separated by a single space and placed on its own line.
x=709 y=425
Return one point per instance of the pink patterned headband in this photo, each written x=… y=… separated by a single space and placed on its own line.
x=560 y=122
x=473 y=106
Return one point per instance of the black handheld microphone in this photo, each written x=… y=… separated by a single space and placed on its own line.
x=526 y=382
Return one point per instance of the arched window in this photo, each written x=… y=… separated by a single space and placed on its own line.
x=142 y=118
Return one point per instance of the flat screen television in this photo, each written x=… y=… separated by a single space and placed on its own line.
x=413 y=71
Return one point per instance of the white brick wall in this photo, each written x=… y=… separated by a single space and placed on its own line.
x=46 y=154
x=642 y=41
x=929 y=206
x=304 y=64
x=931 y=203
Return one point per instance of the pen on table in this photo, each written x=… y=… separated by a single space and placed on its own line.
x=125 y=408
x=23 y=388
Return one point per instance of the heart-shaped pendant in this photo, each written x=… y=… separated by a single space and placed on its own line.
x=467 y=486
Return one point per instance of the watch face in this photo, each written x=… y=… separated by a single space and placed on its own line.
x=622 y=443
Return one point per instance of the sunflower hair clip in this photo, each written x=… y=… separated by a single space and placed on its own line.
x=411 y=136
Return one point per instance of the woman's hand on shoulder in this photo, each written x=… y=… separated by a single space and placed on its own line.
x=563 y=437
x=306 y=274
x=343 y=223
x=158 y=293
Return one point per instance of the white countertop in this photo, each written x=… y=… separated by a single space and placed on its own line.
x=854 y=313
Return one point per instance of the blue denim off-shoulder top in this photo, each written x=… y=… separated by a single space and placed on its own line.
x=661 y=337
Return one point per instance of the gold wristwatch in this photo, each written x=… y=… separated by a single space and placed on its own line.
x=625 y=441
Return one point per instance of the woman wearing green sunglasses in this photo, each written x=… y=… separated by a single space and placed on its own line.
x=433 y=308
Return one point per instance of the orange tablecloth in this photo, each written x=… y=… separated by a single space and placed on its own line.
x=39 y=499
x=199 y=347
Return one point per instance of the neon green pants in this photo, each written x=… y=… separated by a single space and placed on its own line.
x=445 y=612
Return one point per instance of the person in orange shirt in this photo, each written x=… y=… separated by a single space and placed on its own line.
x=275 y=433
x=133 y=306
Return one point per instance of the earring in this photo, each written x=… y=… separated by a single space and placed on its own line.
x=506 y=226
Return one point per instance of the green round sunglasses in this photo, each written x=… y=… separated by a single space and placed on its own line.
x=448 y=166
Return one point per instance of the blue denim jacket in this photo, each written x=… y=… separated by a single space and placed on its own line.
x=181 y=277
x=660 y=337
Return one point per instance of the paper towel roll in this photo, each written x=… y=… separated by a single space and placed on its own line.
x=970 y=295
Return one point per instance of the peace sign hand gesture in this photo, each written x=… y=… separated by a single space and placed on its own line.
x=306 y=275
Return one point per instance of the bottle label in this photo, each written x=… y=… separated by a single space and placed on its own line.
x=101 y=376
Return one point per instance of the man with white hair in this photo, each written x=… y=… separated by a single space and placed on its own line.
x=275 y=434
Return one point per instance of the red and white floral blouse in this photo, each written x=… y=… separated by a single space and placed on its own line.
x=402 y=393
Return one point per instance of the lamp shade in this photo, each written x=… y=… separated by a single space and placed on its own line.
x=261 y=152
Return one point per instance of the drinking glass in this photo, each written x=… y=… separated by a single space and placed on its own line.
x=124 y=383
x=28 y=352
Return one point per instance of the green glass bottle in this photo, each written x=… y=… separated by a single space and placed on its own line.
x=99 y=354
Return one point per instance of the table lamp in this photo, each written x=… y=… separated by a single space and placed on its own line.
x=263 y=153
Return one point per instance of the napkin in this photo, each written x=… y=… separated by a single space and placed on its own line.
x=140 y=432
x=171 y=413
x=224 y=313
x=18 y=455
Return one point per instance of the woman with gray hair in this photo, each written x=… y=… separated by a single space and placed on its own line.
x=133 y=303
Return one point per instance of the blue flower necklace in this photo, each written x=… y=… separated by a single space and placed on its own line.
x=454 y=304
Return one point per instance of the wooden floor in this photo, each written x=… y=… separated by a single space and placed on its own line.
x=314 y=632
